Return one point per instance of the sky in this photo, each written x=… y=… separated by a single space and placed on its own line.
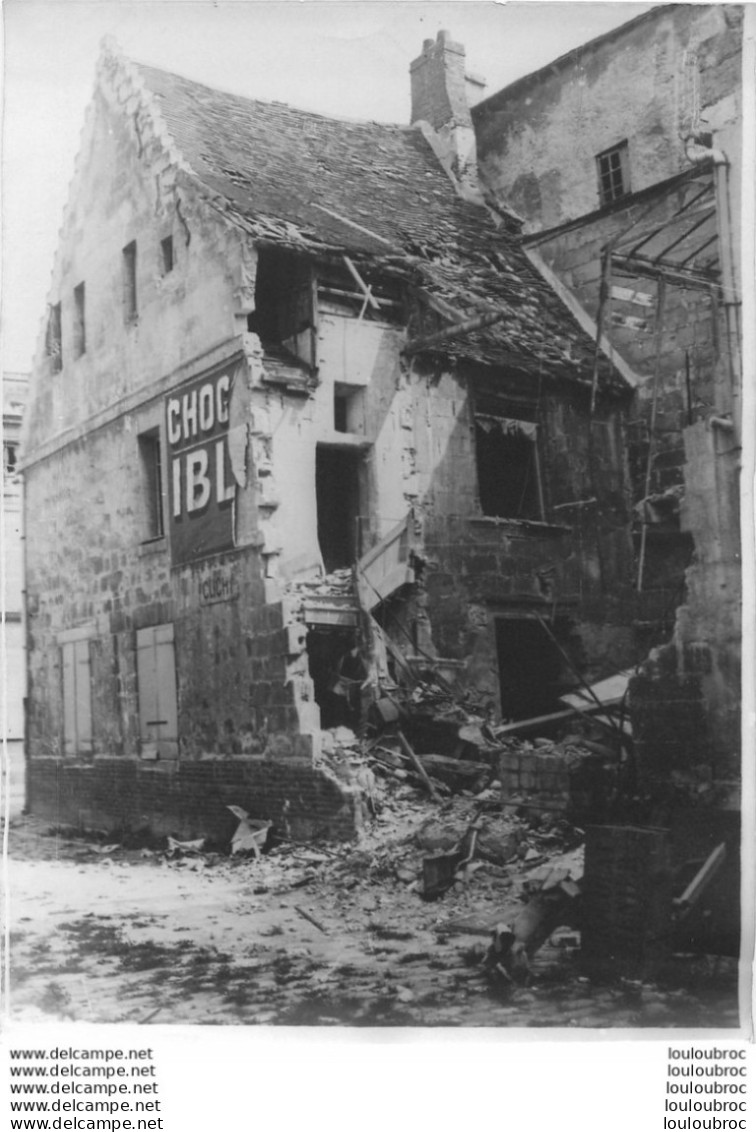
x=344 y=59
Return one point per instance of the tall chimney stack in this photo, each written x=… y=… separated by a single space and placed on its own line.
x=438 y=84
x=440 y=109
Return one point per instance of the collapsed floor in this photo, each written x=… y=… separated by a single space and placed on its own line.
x=356 y=934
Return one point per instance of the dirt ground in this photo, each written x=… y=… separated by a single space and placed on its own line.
x=312 y=935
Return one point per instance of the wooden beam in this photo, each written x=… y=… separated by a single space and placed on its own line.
x=366 y=291
x=418 y=767
x=679 y=278
x=467 y=327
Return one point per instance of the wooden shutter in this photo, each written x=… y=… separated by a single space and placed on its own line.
x=77 y=697
x=156 y=677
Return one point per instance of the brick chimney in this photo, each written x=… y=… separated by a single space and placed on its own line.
x=438 y=84
x=439 y=101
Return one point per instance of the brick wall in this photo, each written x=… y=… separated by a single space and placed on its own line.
x=540 y=781
x=626 y=897
x=188 y=799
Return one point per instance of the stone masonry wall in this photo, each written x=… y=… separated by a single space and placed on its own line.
x=578 y=562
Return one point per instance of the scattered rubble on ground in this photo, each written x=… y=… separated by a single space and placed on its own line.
x=349 y=933
x=458 y=904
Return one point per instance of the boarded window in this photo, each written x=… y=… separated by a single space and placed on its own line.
x=507 y=463
x=77 y=697
x=156 y=681
x=79 y=326
x=152 y=483
x=129 y=266
x=613 y=173
x=54 y=339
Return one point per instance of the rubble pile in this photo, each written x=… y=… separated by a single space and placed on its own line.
x=339 y=582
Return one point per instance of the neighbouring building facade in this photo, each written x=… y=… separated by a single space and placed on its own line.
x=623 y=160
x=13 y=676
x=303 y=413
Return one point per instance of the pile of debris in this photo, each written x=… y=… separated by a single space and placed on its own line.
x=338 y=582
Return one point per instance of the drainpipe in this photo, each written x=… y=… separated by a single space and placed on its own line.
x=696 y=154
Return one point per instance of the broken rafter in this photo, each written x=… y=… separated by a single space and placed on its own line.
x=680 y=217
x=634 y=265
x=689 y=232
x=353 y=224
x=459 y=328
x=367 y=291
x=408 y=750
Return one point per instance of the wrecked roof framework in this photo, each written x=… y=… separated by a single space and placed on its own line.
x=376 y=192
x=676 y=237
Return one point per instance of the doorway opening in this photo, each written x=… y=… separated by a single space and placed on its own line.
x=337 y=672
x=531 y=668
x=337 y=492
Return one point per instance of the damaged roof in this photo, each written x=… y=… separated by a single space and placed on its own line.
x=376 y=192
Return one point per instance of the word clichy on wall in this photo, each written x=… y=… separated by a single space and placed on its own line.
x=202 y=486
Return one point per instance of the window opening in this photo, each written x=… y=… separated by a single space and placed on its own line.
x=166 y=255
x=507 y=464
x=152 y=478
x=10 y=458
x=337 y=475
x=156 y=686
x=347 y=402
x=77 y=697
x=130 y=282
x=80 y=326
x=613 y=173
x=54 y=343
x=283 y=314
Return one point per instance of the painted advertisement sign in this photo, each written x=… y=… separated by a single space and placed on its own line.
x=202 y=487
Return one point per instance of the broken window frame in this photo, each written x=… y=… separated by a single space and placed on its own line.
x=613 y=171
x=528 y=430
x=344 y=289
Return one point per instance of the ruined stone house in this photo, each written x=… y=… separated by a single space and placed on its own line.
x=303 y=416
x=623 y=161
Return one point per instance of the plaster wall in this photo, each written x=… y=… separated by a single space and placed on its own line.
x=362 y=358
x=651 y=82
